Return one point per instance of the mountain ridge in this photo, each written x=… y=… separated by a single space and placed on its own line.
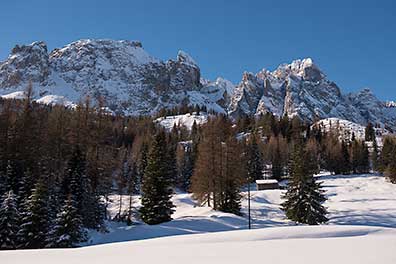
x=133 y=82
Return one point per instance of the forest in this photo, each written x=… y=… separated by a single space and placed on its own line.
x=59 y=165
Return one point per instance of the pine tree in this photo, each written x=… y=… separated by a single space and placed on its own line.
x=9 y=221
x=390 y=172
x=369 y=132
x=142 y=162
x=276 y=158
x=4 y=183
x=387 y=154
x=185 y=166
x=254 y=160
x=375 y=156
x=35 y=218
x=233 y=176
x=68 y=228
x=344 y=164
x=76 y=183
x=156 y=204
x=304 y=196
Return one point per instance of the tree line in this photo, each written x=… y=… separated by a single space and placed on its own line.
x=58 y=167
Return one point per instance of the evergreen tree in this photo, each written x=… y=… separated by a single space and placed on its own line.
x=185 y=166
x=233 y=176
x=89 y=205
x=304 y=196
x=4 y=183
x=254 y=160
x=35 y=218
x=345 y=166
x=390 y=172
x=369 y=132
x=387 y=154
x=9 y=221
x=142 y=162
x=68 y=228
x=25 y=187
x=375 y=156
x=156 y=204
x=276 y=157
x=172 y=161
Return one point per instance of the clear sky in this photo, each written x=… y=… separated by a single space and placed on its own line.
x=353 y=42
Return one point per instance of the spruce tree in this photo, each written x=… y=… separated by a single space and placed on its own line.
x=345 y=166
x=232 y=178
x=9 y=221
x=276 y=159
x=369 y=132
x=68 y=229
x=35 y=218
x=156 y=204
x=142 y=162
x=4 y=183
x=375 y=156
x=390 y=171
x=387 y=154
x=76 y=183
x=304 y=196
x=254 y=160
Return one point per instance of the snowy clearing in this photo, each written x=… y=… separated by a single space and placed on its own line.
x=327 y=244
x=362 y=229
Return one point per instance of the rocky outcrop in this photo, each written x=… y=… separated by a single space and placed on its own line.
x=302 y=89
x=130 y=80
x=133 y=82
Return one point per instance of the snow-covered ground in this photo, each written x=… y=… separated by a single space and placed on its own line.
x=347 y=128
x=186 y=120
x=325 y=245
x=362 y=229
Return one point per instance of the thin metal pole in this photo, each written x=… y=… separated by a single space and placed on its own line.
x=250 y=224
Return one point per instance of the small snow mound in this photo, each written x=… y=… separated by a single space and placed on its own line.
x=55 y=100
x=186 y=120
x=19 y=95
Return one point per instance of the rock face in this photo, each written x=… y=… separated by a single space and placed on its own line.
x=302 y=89
x=133 y=82
x=130 y=80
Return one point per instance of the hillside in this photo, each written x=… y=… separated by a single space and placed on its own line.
x=362 y=213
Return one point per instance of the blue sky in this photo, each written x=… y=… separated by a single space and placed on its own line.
x=354 y=42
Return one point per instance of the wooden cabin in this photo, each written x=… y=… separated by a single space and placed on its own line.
x=269 y=184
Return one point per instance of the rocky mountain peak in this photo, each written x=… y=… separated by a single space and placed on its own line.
x=38 y=46
x=184 y=57
x=133 y=82
x=303 y=68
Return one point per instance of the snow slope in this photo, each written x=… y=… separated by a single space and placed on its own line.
x=326 y=245
x=347 y=128
x=365 y=200
x=362 y=229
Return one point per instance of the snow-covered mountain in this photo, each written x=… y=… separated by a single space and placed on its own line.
x=302 y=89
x=133 y=82
x=130 y=80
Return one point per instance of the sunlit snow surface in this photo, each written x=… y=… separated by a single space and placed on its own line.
x=362 y=229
